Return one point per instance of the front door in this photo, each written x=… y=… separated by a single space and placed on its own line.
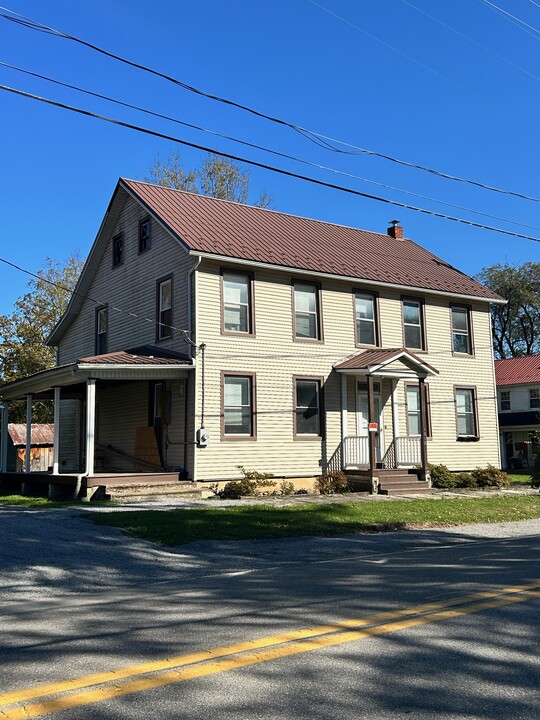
x=362 y=421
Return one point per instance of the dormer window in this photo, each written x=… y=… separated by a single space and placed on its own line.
x=145 y=235
x=117 y=250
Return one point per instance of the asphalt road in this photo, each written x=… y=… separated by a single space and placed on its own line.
x=379 y=626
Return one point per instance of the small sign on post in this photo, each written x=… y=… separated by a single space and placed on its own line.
x=373 y=427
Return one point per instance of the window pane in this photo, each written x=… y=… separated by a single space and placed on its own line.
x=306 y=393
x=464 y=401
x=238 y=421
x=307 y=421
x=364 y=307
x=236 y=318
x=306 y=325
x=236 y=391
x=365 y=331
x=237 y=406
x=459 y=319
x=461 y=343
x=102 y=321
x=305 y=298
x=413 y=337
x=413 y=399
x=411 y=313
x=466 y=425
x=307 y=407
x=235 y=288
x=165 y=295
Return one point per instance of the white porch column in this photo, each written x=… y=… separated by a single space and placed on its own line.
x=56 y=445
x=395 y=419
x=28 y=449
x=4 y=437
x=90 y=425
x=344 y=427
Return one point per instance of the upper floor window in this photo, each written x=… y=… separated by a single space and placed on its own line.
x=365 y=314
x=414 y=421
x=534 y=398
x=145 y=235
x=466 y=412
x=101 y=330
x=307 y=408
x=504 y=400
x=461 y=330
x=164 y=308
x=413 y=324
x=238 y=406
x=237 y=302
x=307 y=324
x=117 y=250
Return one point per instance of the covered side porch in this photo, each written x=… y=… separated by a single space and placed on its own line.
x=384 y=420
x=119 y=419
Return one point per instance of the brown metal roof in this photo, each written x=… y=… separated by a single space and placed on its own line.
x=145 y=355
x=368 y=359
x=513 y=371
x=233 y=230
x=42 y=433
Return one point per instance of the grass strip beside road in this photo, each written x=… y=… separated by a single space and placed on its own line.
x=249 y=522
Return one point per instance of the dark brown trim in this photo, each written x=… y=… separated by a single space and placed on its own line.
x=96 y=327
x=377 y=320
x=406 y=385
x=468 y=309
x=119 y=237
x=320 y=329
x=251 y=294
x=322 y=415
x=253 y=386
x=423 y=332
x=159 y=282
x=465 y=438
x=143 y=221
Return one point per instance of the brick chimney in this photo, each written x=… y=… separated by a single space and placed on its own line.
x=395 y=230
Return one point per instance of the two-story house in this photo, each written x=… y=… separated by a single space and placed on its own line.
x=518 y=393
x=206 y=334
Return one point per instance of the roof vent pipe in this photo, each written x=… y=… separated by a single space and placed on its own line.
x=395 y=231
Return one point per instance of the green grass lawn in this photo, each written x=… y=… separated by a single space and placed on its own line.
x=7 y=498
x=176 y=527
x=519 y=478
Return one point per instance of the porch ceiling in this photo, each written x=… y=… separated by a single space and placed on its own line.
x=378 y=362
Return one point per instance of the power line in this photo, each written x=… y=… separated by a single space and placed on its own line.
x=262 y=148
x=513 y=19
x=318 y=138
x=271 y=168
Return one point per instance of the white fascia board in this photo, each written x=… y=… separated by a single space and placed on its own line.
x=346 y=278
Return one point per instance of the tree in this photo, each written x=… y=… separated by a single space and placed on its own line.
x=217 y=177
x=516 y=325
x=23 y=333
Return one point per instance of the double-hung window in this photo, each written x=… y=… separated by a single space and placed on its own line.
x=117 y=250
x=238 y=406
x=308 y=407
x=164 y=307
x=307 y=322
x=466 y=413
x=534 y=398
x=461 y=330
x=237 y=302
x=413 y=324
x=145 y=235
x=504 y=401
x=414 y=420
x=101 y=330
x=365 y=315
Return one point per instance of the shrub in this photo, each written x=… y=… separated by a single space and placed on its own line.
x=332 y=482
x=535 y=472
x=490 y=476
x=286 y=488
x=464 y=480
x=251 y=482
x=441 y=477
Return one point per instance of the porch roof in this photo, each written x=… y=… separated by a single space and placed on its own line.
x=375 y=362
x=143 y=363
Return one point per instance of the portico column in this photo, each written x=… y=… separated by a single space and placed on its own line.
x=371 y=419
x=344 y=428
x=28 y=449
x=423 y=427
x=395 y=420
x=56 y=445
x=4 y=438
x=90 y=425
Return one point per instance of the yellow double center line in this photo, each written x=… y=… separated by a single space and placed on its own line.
x=136 y=678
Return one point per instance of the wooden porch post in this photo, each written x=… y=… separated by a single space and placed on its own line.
x=4 y=437
x=371 y=419
x=56 y=445
x=344 y=428
x=423 y=427
x=28 y=449
x=90 y=425
x=395 y=419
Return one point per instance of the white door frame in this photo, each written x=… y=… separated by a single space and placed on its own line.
x=377 y=396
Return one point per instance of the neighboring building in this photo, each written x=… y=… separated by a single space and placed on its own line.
x=41 y=447
x=304 y=334
x=518 y=394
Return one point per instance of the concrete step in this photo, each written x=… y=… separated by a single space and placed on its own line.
x=148 y=490
x=419 y=487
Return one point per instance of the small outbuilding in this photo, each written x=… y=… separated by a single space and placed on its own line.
x=41 y=447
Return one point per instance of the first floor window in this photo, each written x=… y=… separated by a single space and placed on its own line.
x=164 y=309
x=308 y=407
x=238 y=405
x=413 y=411
x=101 y=331
x=366 y=320
x=466 y=412
x=534 y=398
x=237 y=303
x=461 y=330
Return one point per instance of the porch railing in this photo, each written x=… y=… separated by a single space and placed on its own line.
x=353 y=451
x=403 y=451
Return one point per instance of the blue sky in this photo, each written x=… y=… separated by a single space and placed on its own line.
x=381 y=75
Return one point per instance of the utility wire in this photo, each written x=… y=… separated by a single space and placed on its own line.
x=264 y=149
x=513 y=19
x=316 y=137
x=264 y=166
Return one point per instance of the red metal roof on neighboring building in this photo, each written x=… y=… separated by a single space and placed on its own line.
x=146 y=355
x=514 y=371
x=233 y=230
x=42 y=433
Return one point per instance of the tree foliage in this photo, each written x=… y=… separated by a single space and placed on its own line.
x=23 y=332
x=217 y=177
x=516 y=325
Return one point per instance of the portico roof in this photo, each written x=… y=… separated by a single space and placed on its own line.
x=376 y=362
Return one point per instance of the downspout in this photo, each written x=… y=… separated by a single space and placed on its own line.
x=191 y=331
